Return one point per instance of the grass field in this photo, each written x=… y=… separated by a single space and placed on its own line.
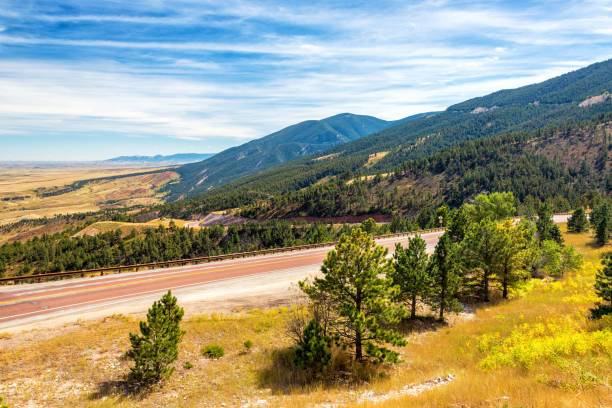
x=535 y=350
x=21 y=198
x=127 y=227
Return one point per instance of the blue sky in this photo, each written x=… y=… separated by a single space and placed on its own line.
x=84 y=80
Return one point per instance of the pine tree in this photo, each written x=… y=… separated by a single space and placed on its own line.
x=157 y=347
x=601 y=219
x=369 y=226
x=444 y=272
x=480 y=253
x=516 y=247
x=578 y=222
x=603 y=288
x=362 y=296
x=410 y=272
x=547 y=229
x=313 y=349
x=494 y=206
x=459 y=224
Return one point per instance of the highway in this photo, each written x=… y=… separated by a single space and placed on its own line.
x=210 y=286
x=39 y=302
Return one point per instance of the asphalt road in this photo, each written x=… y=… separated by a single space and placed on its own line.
x=35 y=302
x=264 y=275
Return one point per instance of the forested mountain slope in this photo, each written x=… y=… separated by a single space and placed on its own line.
x=558 y=101
x=298 y=140
x=562 y=165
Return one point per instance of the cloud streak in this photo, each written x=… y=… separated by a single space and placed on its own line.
x=220 y=73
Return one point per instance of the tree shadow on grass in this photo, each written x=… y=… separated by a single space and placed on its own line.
x=420 y=324
x=283 y=376
x=122 y=388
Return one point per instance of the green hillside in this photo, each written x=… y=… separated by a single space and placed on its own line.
x=555 y=102
x=298 y=140
x=565 y=166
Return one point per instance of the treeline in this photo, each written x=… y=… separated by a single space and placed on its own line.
x=362 y=296
x=535 y=166
x=61 y=252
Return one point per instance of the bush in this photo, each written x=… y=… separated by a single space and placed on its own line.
x=188 y=365
x=313 y=350
x=248 y=344
x=157 y=347
x=213 y=351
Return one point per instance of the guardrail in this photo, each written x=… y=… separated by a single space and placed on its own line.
x=202 y=259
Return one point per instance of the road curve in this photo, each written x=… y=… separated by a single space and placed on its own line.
x=32 y=303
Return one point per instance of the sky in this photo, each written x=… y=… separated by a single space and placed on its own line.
x=90 y=80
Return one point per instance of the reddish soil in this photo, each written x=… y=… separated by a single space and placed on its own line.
x=349 y=219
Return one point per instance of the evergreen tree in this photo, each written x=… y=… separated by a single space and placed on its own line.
x=445 y=277
x=547 y=229
x=578 y=222
x=494 y=206
x=603 y=288
x=601 y=219
x=480 y=252
x=313 y=349
x=369 y=226
x=410 y=272
x=361 y=295
x=459 y=224
x=443 y=216
x=157 y=347
x=397 y=224
x=516 y=247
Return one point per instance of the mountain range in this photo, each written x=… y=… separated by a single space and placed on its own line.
x=575 y=97
x=160 y=160
x=302 y=139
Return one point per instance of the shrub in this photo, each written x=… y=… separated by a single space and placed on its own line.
x=213 y=351
x=157 y=347
x=1 y=404
x=188 y=365
x=248 y=344
x=313 y=350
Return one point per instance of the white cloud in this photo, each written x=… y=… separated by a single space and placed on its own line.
x=385 y=60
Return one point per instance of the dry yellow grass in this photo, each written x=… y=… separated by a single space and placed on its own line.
x=127 y=227
x=123 y=192
x=566 y=359
x=375 y=158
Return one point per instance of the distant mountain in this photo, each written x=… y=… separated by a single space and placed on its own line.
x=581 y=95
x=298 y=140
x=179 y=158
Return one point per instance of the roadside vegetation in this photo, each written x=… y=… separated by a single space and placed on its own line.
x=539 y=347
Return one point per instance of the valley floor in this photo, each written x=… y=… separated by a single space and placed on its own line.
x=30 y=193
x=536 y=350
